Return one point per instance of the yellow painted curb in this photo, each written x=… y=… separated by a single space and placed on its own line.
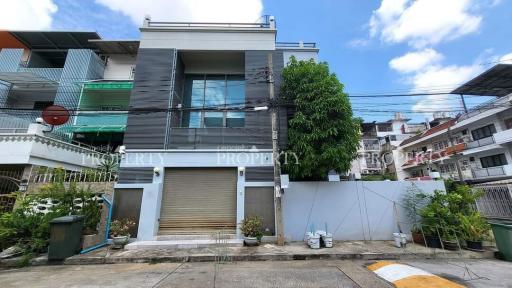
x=380 y=264
x=423 y=281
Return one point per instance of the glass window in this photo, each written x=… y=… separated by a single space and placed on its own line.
x=235 y=119
x=213 y=119
x=483 y=132
x=236 y=91
x=215 y=91
x=493 y=161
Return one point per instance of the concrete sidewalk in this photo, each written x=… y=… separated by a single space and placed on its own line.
x=370 y=250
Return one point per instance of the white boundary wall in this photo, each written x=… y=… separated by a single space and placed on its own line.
x=353 y=210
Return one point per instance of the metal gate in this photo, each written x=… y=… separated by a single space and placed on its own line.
x=9 y=182
x=496 y=202
x=198 y=201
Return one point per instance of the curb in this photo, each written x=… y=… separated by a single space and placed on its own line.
x=95 y=260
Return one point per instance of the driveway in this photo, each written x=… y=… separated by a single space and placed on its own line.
x=318 y=273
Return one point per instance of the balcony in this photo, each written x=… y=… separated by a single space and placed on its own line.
x=503 y=137
x=480 y=143
x=491 y=172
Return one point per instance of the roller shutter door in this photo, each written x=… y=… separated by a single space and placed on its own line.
x=198 y=201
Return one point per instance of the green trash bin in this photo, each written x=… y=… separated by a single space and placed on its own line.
x=65 y=237
x=503 y=235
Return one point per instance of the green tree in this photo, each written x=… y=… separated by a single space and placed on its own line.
x=322 y=133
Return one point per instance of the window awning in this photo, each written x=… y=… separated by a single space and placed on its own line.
x=93 y=128
x=26 y=80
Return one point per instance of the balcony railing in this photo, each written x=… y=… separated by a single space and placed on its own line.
x=503 y=136
x=488 y=172
x=480 y=143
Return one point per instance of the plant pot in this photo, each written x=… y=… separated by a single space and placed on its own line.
x=450 y=245
x=251 y=241
x=433 y=241
x=418 y=238
x=120 y=240
x=474 y=245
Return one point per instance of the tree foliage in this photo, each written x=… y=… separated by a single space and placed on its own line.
x=322 y=132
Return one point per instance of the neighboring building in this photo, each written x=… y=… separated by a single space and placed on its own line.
x=476 y=145
x=71 y=69
x=198 y=154
x=380 y=137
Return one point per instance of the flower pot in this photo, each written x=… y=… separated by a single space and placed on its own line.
x=474 y=245
x=433 y=241
x=418 y=238
x=251 y=241
x=120 y=240
x=450 y=245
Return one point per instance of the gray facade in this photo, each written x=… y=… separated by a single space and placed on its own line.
x=159 y=81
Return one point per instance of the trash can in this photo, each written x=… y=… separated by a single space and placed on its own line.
x=503 y=235
x=65 y=237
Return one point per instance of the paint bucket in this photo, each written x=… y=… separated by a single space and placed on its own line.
x=400 y=239
x=314 y=241
x=327 y=240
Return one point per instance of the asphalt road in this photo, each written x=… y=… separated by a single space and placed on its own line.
x=319 y=273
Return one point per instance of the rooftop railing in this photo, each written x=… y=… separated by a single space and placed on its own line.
x=156 y=24
x=295 y=44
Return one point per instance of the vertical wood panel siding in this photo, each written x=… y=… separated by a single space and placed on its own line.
x=151 y=89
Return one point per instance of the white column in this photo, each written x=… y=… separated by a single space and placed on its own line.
x=240 y=198
x=150 y=208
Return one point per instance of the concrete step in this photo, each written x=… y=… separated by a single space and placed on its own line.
x=193 y=237
x=183 y=244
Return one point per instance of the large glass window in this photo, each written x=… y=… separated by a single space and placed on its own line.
x=205 y=92
x=483 y=132
x=493 y=161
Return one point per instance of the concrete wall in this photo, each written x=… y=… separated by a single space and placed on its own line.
x=355 y=210
x=119 y=67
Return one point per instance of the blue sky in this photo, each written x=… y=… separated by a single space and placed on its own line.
x=374 y=46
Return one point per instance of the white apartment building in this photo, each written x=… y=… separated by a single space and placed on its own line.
x=376 y=137
x=475 y=146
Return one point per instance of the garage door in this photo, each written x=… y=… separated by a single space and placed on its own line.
x=198 y=201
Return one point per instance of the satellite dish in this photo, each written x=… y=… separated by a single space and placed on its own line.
x=55 y=115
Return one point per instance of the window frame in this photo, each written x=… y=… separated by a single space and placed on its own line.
x=201 y=109
x=493 y=161
x=483 y=132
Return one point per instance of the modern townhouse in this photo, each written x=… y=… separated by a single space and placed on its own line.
x=474 y=145
x=379 y=138
x=198 y=155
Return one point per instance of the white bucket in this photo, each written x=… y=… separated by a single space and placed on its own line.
x=327 y=239
x=400 y=239
x=308 y=235
x=314 y=241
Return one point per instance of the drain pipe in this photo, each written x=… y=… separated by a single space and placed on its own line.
x=107 y=228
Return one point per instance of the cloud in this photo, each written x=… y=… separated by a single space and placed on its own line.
x=414 y=61
x=423 y=22
x=443 y=79
x=27 y=14
x=188 y=10
x=506 y=59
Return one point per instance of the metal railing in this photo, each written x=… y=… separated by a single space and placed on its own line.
x=480 y=142
x=157 y=24
x=295 y=44
x=488 y=172
x=87 y=175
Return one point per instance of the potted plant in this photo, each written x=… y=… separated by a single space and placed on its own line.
x=474 y=229
x=251 y=228
x=119 y=230
x=450 y=240
x=413 y=201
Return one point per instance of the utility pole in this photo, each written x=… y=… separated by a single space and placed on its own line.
x=457 y=164
x=275 y=154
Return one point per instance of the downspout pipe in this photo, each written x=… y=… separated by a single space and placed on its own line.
x=107 y=228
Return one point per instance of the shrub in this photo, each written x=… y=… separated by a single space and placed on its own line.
x=474 y=227
x=121 y=227
x=252 y=227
